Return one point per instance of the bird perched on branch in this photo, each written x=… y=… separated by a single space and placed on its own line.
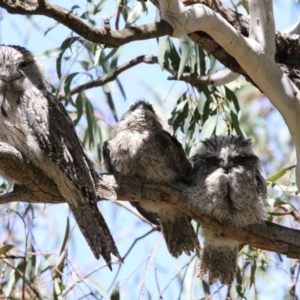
x=36 y=123
x=142 y=147
x=232 y=190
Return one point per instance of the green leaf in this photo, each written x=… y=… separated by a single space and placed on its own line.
x=80 y=103
x=172 y=54
x=121 y=88
x=230 y=95
x=31 y=264
x=116 y=292
x=97 y=54
x=109 y=55
x=50 y=53
x=161 y=50
x=97 y=287
x=111 y=105
x=4 y=249
x=205 y=287
x=67 y=87
x=57 y=292
x=51 y=27
x=239 y=279
x=66 y=237
x=236 y=124
x=283 y=188
x=90 y=120
x=134 y=14
x=252 y=273
x=10 y=284
x=201 y=60
x=209 y=126
x=114 y=61
x=64 y=46
x=279 y=174
x=99 y=7
x=180 y=113
x=186 y=48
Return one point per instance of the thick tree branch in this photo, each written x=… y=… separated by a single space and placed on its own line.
x=267 y=236
x=262 y=25
x=32 y=183
x=95 y=35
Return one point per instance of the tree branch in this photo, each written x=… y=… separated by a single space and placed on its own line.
x=219 y=78
x=95 y=35
x=294 y=29
x=262 y=25
x=40 y=189
x=148 y=59
x=32 y=185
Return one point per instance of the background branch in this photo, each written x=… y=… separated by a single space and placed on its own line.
x=148 y=59
x=96 y=35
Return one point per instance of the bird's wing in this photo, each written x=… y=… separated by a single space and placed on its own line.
x=170 y=148
x=57 y=138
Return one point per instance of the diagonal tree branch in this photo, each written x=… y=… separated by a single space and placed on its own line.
x=148 y=59
x=96 y=35
x=262 y=25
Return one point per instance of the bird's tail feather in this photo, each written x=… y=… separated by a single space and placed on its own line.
x=219 y=261
x=179 y=234
x=96 y=232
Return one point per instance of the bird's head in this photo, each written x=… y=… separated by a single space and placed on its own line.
x=226 y=152
x=141 y=116
x=18 y=64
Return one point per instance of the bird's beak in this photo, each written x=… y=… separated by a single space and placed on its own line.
x=226 y=165
x=11 y=76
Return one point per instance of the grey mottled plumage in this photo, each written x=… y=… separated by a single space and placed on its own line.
x=36 y=123
x=142 y=147
x=232 y=190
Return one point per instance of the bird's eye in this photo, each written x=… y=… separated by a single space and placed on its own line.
x=237 y=159
x=213 y=160
x=24 y=64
